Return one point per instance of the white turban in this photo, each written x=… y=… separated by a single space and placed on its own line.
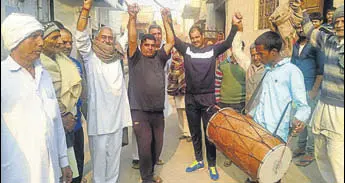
x=17 y=27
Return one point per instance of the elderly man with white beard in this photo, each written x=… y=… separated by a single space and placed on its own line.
x=108 y=106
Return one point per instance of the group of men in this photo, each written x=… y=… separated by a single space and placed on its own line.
x=41 y=119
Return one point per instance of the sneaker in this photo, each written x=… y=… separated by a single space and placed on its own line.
x=135 y=164
x=213 y=173
x=195 y=166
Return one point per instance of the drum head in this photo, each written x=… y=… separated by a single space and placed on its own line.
x=272 y=169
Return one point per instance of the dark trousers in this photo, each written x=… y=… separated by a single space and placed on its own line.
x=239 y=107
x=149 y=130
x=79 y=153
x=196 y=109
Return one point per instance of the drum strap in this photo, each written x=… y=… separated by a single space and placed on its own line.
x=254 y=100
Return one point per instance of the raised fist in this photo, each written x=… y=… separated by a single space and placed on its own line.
x=133 y=9
x=165 y=12
x=237 y=20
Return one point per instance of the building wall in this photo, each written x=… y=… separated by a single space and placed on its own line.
x=337 y=3
x=115 y=21
x=68 y=14
x=220 y=24
x=187 y=24
x=215 y=17
x=194 y=3
x=250 y=19
x=211 y=17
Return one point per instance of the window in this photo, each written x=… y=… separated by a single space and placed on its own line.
x=266 y=8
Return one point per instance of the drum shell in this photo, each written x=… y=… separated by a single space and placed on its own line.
x=241 y=139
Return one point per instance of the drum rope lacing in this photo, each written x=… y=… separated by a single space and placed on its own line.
x=242 y=135
x=239 y=135
x=233 y=152
x=244 y=120
x=251 y=138
x=251 y=125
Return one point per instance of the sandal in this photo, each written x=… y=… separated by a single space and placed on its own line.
x=227 y=163
x=157 y=179
x=305 y=160
x=298 y=152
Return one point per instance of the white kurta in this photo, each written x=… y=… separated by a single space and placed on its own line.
x=33 y=144
x=108 y=106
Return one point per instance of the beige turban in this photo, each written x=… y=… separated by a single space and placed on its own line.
x=17 y=27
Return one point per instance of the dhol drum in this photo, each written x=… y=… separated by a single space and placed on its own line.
x=249 y=146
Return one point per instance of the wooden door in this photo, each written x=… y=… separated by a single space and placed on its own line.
x=314 y=5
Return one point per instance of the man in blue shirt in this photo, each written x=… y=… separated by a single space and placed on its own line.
x=310 y=61
x=283 y=83
x=78 y=146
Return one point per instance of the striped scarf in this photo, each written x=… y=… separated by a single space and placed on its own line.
x=176 y=77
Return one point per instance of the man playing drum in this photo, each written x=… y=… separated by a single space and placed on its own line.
x=282 y=84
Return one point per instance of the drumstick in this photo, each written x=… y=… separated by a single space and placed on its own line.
x=213 y=106
x=217 y=107
x=281 y=158
x=159 y=4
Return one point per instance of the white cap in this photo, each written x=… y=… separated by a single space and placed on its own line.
x=17 y=27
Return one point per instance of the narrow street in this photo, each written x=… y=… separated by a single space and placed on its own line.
x=177 y=155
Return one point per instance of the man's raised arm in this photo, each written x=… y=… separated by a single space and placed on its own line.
x=167 y=21
x=84 y=14
x=132 y=30
x=237 y=49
